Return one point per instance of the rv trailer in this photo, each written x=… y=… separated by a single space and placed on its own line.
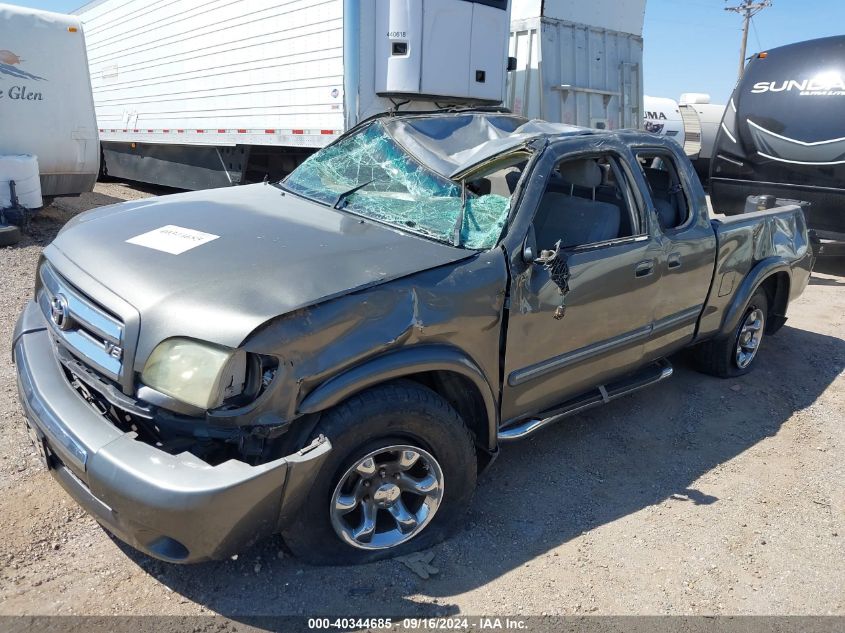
x=48 y=131
x=783 y=134
x=692 y=121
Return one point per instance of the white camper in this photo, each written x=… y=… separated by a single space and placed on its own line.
x=48 y=132
x=692 y=121
x=663 y=117
x=578 y=62
x=701 y=124
x=204 y=95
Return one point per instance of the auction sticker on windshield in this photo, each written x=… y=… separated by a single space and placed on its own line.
x=172 y=239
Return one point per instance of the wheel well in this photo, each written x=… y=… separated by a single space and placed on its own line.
x=777 y=291
x=464 y=395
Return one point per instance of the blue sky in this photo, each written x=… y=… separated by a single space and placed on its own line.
x=692 y=45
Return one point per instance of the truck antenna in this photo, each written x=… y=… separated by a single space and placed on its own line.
x=748 y=9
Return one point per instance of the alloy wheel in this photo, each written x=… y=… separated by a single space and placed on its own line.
x=749 y=337
x=387 y=497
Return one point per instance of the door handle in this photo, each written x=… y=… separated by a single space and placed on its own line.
x=674 y=260
x=644 y=268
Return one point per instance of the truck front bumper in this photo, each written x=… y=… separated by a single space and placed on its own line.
x=174 y=507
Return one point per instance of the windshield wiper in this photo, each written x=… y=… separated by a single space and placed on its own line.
x=280 y=184
x=342 y=196
x=459 y=221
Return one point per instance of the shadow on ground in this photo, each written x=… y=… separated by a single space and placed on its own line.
x=570 y=479
x=145 y=187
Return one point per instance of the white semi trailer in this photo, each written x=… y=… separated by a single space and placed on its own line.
x=197 y=95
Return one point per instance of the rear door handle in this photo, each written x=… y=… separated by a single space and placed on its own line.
x=674 y=260
x=644 y=268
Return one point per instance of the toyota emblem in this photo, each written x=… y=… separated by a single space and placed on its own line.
x=59 y=312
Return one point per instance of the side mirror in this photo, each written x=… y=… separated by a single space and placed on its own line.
x=552 y=257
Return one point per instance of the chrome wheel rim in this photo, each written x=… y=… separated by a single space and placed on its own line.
x=749 y=337
x=387 y=497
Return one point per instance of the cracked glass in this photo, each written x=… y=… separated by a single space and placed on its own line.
x=371 y=175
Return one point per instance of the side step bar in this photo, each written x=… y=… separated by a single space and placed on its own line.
x=654 y=373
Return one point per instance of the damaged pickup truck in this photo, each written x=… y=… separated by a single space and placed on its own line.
x=335 y=357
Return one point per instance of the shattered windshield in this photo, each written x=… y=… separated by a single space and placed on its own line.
x=369 y=174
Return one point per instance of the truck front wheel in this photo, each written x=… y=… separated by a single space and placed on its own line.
x=401 y=473
x=735 y=355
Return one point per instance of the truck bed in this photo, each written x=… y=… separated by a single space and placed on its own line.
x=751 y=240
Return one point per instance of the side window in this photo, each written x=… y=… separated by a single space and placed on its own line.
x=667 y=190
x=587 y=201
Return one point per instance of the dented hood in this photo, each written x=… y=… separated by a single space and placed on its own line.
x=267 y=253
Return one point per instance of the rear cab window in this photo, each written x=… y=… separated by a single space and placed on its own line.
x=671 y=200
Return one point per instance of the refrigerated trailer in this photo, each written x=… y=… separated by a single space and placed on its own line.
x=578 y=62
x=203 y=95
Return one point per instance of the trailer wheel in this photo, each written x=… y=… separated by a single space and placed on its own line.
x=9 y=234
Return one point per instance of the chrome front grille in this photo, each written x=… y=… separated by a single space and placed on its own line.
x=83 y=327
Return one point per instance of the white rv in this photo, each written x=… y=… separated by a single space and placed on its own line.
x=663 y=117
x=48 y=132
x=692 y=121
x=197 y=95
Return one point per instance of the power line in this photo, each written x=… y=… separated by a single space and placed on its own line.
x=756 y=34
x=748 y=9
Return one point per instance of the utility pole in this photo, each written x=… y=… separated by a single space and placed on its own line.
x=748 y=9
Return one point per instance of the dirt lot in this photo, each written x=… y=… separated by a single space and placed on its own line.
x=699 y=496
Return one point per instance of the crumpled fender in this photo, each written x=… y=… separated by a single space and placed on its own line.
x=403 y=362
x=448 y=318
x=761 y=271
x=752 y=247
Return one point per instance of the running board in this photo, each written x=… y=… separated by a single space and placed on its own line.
x=654 y=373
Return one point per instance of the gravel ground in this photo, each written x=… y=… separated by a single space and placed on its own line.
x=698 y=496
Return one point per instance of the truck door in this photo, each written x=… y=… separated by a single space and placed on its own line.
x=677 y=203
x=582 y=317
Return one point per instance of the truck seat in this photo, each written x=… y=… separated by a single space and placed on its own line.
x=573 y=219
x=609 y=191
x=666 y=204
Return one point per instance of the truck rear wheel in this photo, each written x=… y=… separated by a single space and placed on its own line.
x=400 y=475
x=735 y=355
x=9 y=234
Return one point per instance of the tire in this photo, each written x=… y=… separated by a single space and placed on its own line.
x=721 y=357
x=403 y=414
x=9 y=234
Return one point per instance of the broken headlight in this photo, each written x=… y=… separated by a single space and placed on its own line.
x=201 y=374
